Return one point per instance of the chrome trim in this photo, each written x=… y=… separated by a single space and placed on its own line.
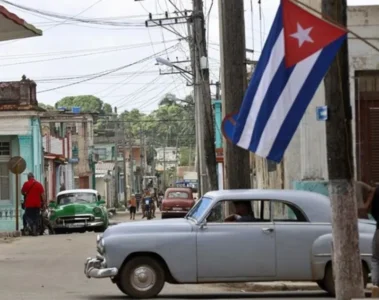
x=97 y=268
x=85 y=225
x=329 y=255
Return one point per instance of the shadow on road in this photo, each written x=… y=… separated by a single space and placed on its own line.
x=277 y=295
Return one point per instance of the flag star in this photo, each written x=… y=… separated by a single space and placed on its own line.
x=302 y=35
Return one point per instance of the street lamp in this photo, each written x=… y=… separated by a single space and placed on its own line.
x=168 y=63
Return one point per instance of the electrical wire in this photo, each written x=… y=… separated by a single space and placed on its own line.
x=105 y=73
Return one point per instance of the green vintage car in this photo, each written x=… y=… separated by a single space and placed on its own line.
x=78 y=210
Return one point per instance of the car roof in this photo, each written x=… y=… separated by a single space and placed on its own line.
x=179 y=189
x=316 y=206
x=77 y=191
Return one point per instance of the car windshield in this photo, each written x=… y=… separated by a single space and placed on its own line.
x=76 y=198
x=182 y=195
x=199 y=209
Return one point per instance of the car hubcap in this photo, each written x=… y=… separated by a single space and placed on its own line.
x=143 y=278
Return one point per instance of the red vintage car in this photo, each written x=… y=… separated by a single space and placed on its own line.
x=177 y=202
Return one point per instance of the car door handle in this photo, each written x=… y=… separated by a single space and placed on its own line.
x=267 y=230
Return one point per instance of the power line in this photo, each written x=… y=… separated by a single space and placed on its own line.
x=100 y=75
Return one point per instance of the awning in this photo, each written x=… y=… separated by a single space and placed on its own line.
x=12 y=27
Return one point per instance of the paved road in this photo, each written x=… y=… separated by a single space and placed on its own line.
x=51 y=267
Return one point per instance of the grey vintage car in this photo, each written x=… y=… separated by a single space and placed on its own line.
x=289 y=239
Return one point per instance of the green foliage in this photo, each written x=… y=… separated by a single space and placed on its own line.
x=46 y=106
x=87 y=103
x=187 y=156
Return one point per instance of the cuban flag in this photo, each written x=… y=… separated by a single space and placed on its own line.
x=296 y=56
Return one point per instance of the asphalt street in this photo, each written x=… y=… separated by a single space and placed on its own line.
x=51 y=267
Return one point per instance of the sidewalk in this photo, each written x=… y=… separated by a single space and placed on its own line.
x=271 y=286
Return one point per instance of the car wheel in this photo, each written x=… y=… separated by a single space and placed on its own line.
x=328 y=281
x=141 y=278
x=121 y=288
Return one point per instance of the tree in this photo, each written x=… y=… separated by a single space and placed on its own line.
x=46 y=106
x=87 y=103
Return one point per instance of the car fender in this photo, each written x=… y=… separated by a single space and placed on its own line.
x=322 y=253
x=177 y=249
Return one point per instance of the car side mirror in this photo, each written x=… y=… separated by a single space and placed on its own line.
x=101 y=201
x=52 y=204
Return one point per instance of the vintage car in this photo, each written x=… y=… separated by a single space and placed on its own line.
x=177 y=202
x=78 y=210
x=289 y=240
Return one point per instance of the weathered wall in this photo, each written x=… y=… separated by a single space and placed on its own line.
x=363 y=21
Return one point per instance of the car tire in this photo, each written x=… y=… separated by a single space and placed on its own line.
x=154 y=272
x=328 y=281
x=120 y=287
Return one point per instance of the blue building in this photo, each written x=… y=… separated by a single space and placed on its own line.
x=20 y=135
x=217 y=113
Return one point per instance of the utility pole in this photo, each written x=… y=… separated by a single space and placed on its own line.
x=131 y=162
x=124 y=164
x=207 y=150
x=164 y=158
x=233 y=82
x=347 y=266
x=218 y=87
x=200 y=168
x=116 y=151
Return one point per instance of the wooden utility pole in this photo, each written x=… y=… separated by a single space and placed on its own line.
x=124 y=165
x=347 y=266
x=233 y=86
x=206 y=138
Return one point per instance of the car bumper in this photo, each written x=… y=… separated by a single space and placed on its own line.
x=174 y=214
x=97 y=268
x=78 y=225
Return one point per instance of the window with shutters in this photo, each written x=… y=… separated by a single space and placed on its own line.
x=367 y=125
x=374 y=143
x=5 y=155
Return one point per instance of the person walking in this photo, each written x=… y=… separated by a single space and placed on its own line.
x=132 y=207
x=34 y=200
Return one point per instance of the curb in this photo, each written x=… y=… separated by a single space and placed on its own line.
x=271 y=286
x=10 y=234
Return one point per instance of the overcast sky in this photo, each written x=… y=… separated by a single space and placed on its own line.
x=98 y=47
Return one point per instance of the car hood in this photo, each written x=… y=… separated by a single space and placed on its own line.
x=74 y=208
x=150 y=226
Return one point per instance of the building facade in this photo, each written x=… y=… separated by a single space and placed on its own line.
x=79 y=128
x=20 y=135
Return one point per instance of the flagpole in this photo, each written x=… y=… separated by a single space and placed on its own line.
x=348 y=283
x=327 y=18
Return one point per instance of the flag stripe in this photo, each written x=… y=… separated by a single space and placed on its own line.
x=284 y=104
x=302 y=101
x=276 y=58
x=274 y=94
x=256 y=79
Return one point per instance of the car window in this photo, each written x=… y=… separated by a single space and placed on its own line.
x=199 y=208
x=79 y=198
x=182 y=195
x=259 y=212
x=285 y=212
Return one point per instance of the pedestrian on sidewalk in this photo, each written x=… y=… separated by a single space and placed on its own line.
x=133 y=207
x=34 y=200
x=370 y=205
